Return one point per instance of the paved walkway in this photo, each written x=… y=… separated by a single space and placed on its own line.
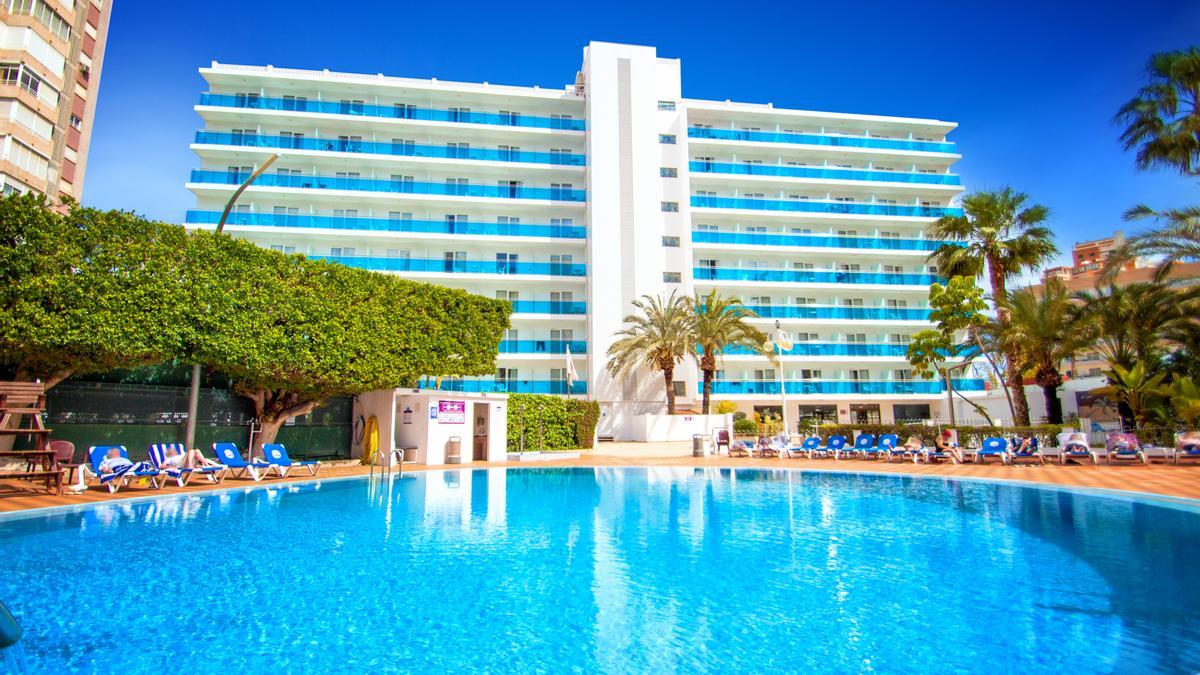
x=1162 y=479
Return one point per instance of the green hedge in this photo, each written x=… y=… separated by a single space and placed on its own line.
x=550 y=422
x=967 y=435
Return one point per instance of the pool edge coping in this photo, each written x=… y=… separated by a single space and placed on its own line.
x=1155 y=498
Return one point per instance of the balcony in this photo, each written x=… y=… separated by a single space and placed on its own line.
x=822 y=139
x=814 y=276
x=388 y=148
x=814 y=241
x=814 y=206
x=316 y=182
x=771 y=388
x=848 y=313
x=491 y=385
x=439 y=265
x=388 y=111
x=817 y=172
x=549 y=307
x=833 y=349
x=391 y=225
x=543 y=346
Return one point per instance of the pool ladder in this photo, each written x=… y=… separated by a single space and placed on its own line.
x=387 y=462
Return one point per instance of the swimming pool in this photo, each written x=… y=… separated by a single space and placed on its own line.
x=612 y=570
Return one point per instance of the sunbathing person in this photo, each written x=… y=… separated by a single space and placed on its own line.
x=115 y=462
x=945 y=443
x=1188 y=441
x=192 y=459
x=913 y=444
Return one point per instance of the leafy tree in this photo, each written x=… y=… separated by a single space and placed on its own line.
x=87 y=291
x=958 y=307
x=1185 y=399
x=290 y=333
x=929 y=353
x=657 y=337
x=1175 y=240
x=999 y=236
x=1162 y=123
x=725 y=407
x=1136 y=389
x=1042 y=323
x=719 y=323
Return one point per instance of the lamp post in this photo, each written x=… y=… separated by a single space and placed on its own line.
x=189 y=433
x=778 y=343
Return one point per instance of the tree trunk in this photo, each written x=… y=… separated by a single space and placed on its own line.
x=669 y=380
x=24 y=374
x=997 y=277
x=708 y=367
x=273 y=408
x=1054 y=413
x=1020 y=402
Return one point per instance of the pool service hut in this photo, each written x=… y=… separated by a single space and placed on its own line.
x=432 y=426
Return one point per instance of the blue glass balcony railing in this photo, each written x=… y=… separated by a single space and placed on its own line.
x=385 y=185
x=549 y=307
x=391 y=149
x=543 y=346
x=456 y=266
x=391 y=224
x=843 y=386
x=814 y=276
x=806 y=206
x=821 y=172
x=814 y=240
x=850 y=313
x=821 y=139
x=389 y=111
x=490 y=385
x=833 y=349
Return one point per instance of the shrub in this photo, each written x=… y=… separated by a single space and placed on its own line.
x=550 y=422
x=739 y=415
x=967 y=435
x=745 y=427
x=725 y=407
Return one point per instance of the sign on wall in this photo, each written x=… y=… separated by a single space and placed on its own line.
x=452 y=412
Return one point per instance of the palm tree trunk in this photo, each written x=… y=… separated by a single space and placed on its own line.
x=1054 y=411
x=1020 y=404
x=669 y=380
x=1016 y=382
x=707 y=394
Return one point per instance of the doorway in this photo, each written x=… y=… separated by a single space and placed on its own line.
x=480 y=446
x=864 y=413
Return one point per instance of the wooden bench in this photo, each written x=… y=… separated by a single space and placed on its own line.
x=53 y=478
x=25 y=402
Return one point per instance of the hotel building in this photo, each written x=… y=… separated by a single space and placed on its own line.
x=573 y=202
x=50 y=57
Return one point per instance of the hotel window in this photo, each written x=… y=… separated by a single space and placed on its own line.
x=670 y=207
x=899 y=339
x=245 y=208
x=561 y=191
x=344 y=251
x=925 y=203
x=764 y=375
x=345 y=213
x=560 y=264
x=802 y=198
x=291 y=139
x=670 y=242
x=759 y=300
x=560 y=122
x=883 y=234
x=672 y=277
x=458 y=150
x=902 y=375
x=843 y=199
x=807 y=337
x=403 y=146
x=893 y=269
x=349 y=144
x=847 y=233
x=558 y=155
x=706 y=193
x=295 y=102
x=506 y=263
x=506 y=374
x=896 y=304
x=400 y=253
x=348 y=175
x=849 y=267
x=562 y=334
x=455 y=222
x=933 y=269
x=751 y=195
x=510 y=118
x=404 y=111
x=801 y=230
x=856 y=337
x=700 y=227
x=666 y=139
x=810 y=374
x=666 y=105
x=457 y=186
x=802 y=266
x=806 y=301
x=286 y=211
x=42 y=11
x=852 y=302
x=510 y=296
x=459 y=114
x=668 y=172
x=888 y=202
x=679 y=388
x=756 y=229
x=859 y=374
x=351 y=107
x=76 y=122
x=707 y=163
x=398 y=215
x=283 y=249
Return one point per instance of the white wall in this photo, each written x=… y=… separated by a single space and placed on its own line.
x=657 y=428
x=416 y=427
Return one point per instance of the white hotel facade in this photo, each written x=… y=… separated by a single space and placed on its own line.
x=573 y=202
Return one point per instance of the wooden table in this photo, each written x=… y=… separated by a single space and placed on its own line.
x=49 y=471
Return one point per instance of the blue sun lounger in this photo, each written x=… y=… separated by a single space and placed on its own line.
x=864 y=446
x=276 y=455
x=834 y=445
x=229 y=455
x=807 y=447
x=158 y=455
x=889 y=447
x=115 y=480
x=992 y=447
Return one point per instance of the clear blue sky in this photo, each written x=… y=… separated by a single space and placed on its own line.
x=1033 y=85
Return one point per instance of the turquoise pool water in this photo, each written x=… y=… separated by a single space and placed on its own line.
x=611 y=570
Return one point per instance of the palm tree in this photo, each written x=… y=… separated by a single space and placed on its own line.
x=1162 y=123
x=657 y=337
x=999 y=236
x=1042 y=325
x=1135 y=390
x=719 y=323
x=1176 y=239
x=1136 y=323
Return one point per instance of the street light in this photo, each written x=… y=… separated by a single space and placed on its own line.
x=780 y=343
x=189 y=433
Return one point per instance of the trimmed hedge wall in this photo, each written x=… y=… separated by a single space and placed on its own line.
x=565 y=424
x=967 y=435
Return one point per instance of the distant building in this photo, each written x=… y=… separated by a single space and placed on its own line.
x=1087 y=260
x=49 y=74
